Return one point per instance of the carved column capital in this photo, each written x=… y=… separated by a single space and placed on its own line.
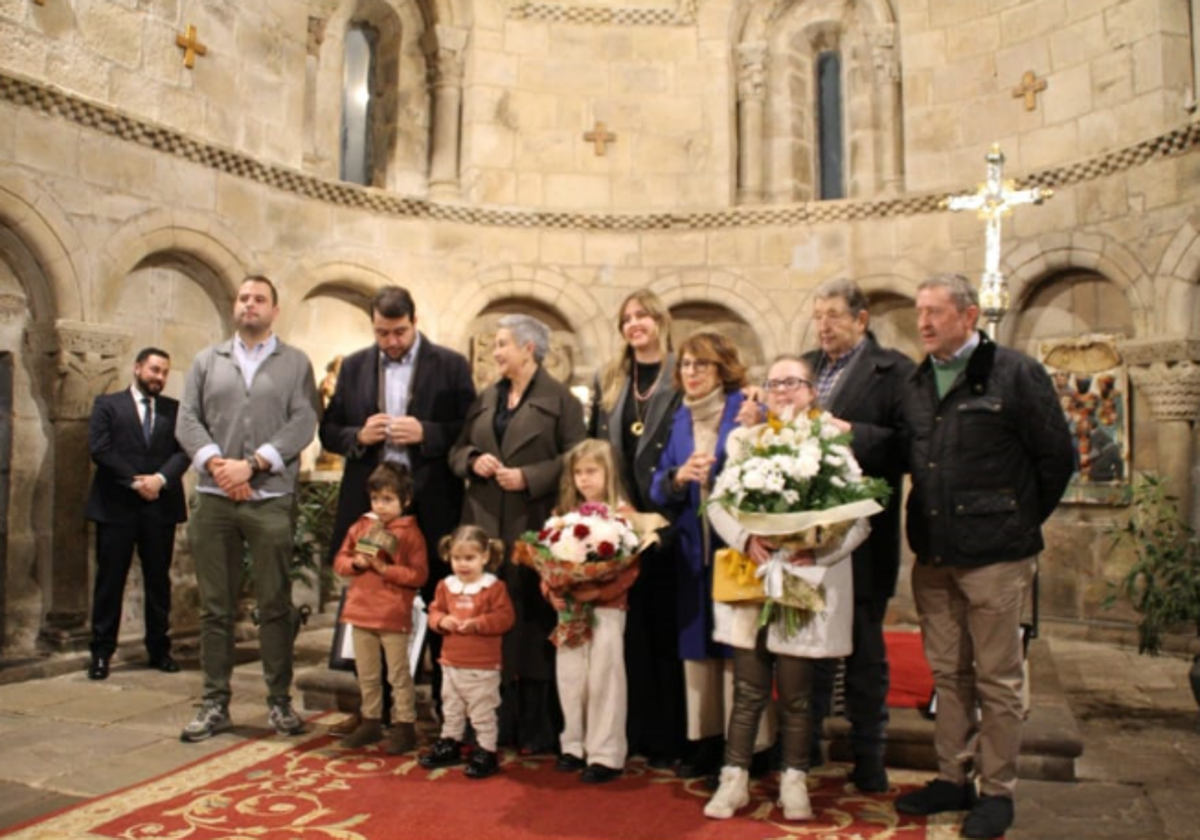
x=882 y=38
x=316 y=36
x=445 y=46
x=82 y=360
x=752 y=70
x=1171 y=388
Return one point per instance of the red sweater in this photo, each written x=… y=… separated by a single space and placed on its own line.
x=486 y=600
x=383 y=601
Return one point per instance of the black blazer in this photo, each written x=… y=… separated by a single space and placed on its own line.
x=441 y=393
x=120 y=452
x=870 y=396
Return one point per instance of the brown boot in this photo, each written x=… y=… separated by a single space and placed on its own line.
x=402 y=737
x=368 y=732
x=346 y=725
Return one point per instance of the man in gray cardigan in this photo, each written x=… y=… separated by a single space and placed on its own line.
x=249 y=408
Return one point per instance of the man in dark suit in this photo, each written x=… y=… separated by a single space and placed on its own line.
x=402 y=400
x=862 y=384
x=136 y=500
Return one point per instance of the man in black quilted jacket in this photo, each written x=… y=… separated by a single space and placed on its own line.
x=990 y=455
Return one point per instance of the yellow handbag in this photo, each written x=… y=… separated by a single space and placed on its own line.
x=734 y=580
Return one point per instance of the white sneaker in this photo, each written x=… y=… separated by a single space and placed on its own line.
x=732 y=793
x=793 y=795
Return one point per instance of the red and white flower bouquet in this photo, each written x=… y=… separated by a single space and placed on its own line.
x=588 y=546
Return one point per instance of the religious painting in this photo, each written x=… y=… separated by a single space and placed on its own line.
x=1093 y=390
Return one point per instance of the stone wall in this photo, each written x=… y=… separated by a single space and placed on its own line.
x=124 y=216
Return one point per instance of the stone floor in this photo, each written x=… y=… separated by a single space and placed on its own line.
x=64 y=739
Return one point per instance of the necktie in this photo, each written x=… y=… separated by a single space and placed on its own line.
x=147 y=419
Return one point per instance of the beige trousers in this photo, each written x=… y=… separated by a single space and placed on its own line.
x=592 y=691
x=971 y=629
x=708 y=684
x=474 y=694
x=368 y=644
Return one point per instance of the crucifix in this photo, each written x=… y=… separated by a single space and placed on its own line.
x=994 y=200
x=1030 y=87
x=191 y=46
x=600 y=137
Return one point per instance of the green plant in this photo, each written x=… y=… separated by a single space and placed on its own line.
x=1163 y=584
x=316 y=509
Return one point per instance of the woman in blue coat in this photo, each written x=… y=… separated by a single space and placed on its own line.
x=710 y=375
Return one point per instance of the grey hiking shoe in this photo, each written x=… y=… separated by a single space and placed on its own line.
x=284 y=718
x=212 y=718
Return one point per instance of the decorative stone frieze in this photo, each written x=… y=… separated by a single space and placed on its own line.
x=54 y=102
x=678 y=13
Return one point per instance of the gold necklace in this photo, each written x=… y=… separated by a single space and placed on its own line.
x=637 y=427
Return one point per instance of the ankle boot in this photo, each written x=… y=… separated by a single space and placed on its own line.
x=869 y=774
x=346 y=725
x=402 y=737
x=793 y=795
x=733 y=793
x=367 y=732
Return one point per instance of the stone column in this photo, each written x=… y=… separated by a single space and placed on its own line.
x=890 y=112
x=77 y=362
x=444 y=47
x=752 y=96
x=1168 y=373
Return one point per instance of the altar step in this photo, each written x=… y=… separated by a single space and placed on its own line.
x=1050 y=741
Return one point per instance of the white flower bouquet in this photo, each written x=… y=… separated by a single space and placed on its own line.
x=795 y=481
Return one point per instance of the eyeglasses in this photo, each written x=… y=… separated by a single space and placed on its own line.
x=791 y=383
x=831 y=315
x=698 y=365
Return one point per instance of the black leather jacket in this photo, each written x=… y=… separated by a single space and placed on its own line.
x=989 y=461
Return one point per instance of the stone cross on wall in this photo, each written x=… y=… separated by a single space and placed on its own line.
x=1029 y=88
x=599 y=137
x=994 y=200
x=191 y=46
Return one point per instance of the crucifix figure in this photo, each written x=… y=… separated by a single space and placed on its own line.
x=1030 y=87
x=600 y=137
x=191 y=46
x=994 y=200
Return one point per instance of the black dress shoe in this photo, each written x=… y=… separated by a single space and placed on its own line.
x=98 y=668
x=568 y=763
x=598 y=774
x=164 y=663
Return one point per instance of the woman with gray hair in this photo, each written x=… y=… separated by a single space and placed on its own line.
x=510 y=453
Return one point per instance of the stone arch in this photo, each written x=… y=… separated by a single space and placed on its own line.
x=1179 y=270
x=731 y=292
x=352 y=278
x=42 y=229
x=548 y=287
x=208 y=253
x=401 y=152
x=1052 y=253
x=891 y=289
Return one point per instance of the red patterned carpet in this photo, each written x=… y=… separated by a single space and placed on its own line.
x=308 y=788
